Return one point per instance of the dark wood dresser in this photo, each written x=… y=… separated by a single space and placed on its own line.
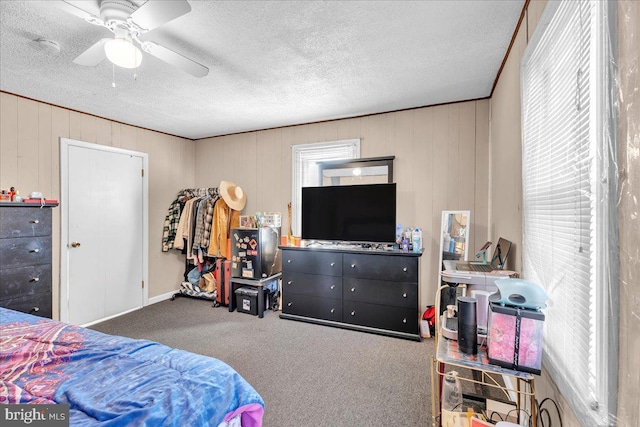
x=367 y=290
x=25 y=257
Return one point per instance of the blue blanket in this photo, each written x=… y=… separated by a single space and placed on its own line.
x=115 y=381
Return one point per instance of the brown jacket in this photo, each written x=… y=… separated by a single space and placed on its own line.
x=224 y=219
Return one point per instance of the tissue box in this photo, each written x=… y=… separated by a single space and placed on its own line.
x=515 y=338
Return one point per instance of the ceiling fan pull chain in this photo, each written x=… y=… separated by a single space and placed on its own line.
x=113 y=76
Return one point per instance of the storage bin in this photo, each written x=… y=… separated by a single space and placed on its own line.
x=247 y=300
x=515 y=338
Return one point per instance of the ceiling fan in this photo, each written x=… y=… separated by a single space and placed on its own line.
x=127 y=21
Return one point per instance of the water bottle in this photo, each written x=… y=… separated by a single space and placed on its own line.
x=451 y=400
x=417 y=240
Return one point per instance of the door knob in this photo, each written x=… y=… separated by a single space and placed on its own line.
x=75 y=244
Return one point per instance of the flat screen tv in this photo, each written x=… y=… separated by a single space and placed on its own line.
x=350 y=213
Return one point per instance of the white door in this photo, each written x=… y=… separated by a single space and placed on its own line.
x=103 y=232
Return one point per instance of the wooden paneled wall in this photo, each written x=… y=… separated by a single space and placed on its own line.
x=441 y=164
x=506 y=195
x=30 y=161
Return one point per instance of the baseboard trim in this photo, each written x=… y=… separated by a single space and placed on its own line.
x=160 y=298
x=104 y=319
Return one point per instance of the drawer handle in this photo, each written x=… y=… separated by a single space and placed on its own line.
x=34 y=279
x=289 y=304
x=404 y=295
x=35 y=221
x=353 y=289
x=35 y=250
x=35 y=309
x=353 y=313
x=353 y=266
x=333 y=310
x=289 y=261
x=404 y=268
x=404 y=320
x=332 y=264
x=332 y=287
x=289 y=282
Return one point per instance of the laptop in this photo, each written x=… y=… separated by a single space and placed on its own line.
x=498 y=260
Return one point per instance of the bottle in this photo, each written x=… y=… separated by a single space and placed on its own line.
x=399 y=232
x=451 y=409
x=17 y=197
x=405 y=245
x=417 y=240
x=446 y=242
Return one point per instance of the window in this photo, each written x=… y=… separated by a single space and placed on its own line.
x=569 y=210
x=305 y=170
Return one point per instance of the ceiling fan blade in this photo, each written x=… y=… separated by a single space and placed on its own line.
x=92 y=56
x=175 y=59
x=154 y=13
x=73 y=9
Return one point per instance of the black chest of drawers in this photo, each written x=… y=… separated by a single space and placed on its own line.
x=372 y=291
x=25 y=258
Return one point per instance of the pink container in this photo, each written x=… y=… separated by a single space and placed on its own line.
x=514 y=340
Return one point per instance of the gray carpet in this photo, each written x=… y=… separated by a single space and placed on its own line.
x=308 y=375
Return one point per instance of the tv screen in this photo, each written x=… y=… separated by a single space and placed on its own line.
x=353 y=213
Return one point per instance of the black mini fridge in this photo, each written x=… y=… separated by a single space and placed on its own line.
x=255 y=253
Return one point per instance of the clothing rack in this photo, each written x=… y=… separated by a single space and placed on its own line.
x=174 y=215
x=199 y=192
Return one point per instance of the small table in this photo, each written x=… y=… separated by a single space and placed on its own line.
x=236 y=282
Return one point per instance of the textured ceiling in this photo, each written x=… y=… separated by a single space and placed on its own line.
x=271 y=63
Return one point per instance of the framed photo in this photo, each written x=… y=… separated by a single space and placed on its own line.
x=247 y=221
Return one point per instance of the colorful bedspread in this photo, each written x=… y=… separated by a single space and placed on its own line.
x=115 y=381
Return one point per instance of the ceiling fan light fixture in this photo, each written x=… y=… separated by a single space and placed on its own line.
x=123 y=53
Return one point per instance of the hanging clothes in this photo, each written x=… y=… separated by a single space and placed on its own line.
x=224 y=219
x=208 y=221
x=171 y=221
x=181 y=231
x=203 y=227
x=190 y=229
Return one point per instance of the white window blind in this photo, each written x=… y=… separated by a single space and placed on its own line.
x=567 y=225
x=305 y=169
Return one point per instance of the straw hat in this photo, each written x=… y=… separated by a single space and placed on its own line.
x=233 y=195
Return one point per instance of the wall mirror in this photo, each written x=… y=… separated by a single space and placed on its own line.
x=373 y=170
x=454 y=237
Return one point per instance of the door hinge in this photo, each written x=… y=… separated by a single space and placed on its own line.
x=143 y=173
x=143 y=284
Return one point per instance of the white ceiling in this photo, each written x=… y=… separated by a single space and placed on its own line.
x=271 y=63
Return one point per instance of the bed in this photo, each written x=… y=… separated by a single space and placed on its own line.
x=109 y=380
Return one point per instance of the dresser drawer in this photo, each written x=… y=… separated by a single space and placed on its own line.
x=397 y=294
x=382 y=317
x=37 y=304
x=22 y=281
x=312 y=284
x=381 y=267
x=25 y=251
x=326 y=263
x=308 y=306
x=24 y=222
